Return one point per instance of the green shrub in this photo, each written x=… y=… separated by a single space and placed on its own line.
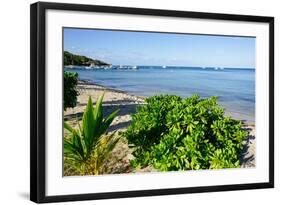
x=70 y=89
x=87 y=147
x=170 y=134
x=149 y=124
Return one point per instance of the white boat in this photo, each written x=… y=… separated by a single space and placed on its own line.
x=164 y=66
x=69 y=66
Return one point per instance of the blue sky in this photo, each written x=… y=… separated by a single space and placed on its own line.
x=146 y=48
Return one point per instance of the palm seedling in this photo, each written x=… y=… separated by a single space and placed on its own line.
x=87 y=146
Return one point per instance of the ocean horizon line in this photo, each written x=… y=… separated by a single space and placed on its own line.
x=172 y=66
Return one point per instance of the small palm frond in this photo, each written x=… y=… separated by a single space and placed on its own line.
x=88 y=139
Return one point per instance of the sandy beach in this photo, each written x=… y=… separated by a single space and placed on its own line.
x=113 y=100
x=127 y=103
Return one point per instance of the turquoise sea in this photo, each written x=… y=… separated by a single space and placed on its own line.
x=234 y=87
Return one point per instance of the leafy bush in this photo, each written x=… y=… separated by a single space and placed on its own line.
x=149 y=124
x=171 y=133
x=87 y=147
x=70 y=90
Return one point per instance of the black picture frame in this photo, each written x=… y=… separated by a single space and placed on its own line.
x=38 y=100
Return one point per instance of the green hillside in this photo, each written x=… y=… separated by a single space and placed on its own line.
x=72 y=59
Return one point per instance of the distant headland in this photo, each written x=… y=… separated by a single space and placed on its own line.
x=71 y=59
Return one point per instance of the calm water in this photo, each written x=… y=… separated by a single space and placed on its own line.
x=235 y=88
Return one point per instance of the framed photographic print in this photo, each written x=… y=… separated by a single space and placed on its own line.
x=129 y=102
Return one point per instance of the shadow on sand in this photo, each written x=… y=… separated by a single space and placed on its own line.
x=247 y=158
x=125 y=108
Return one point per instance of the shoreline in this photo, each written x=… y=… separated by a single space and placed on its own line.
x=113 y=99
x=87 y=82
x=127 y=103
x=228 y=113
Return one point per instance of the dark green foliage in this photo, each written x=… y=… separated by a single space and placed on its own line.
x=72 y=59
x=70 y=89
x=171 y=133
